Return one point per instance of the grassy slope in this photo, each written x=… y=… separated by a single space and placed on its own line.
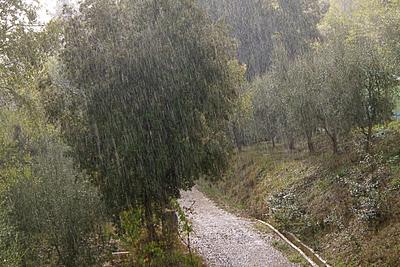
x=325 y=190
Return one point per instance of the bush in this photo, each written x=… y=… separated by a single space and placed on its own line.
x=365 y=185
x=49 y=212
x=287 y=213
x=166 y=251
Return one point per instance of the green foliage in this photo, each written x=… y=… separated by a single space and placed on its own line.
x=161 y=252
x=152 y=255
x=158 y=102
x=372 y=20
x=155 y=255
x=49 y=212
x=132 y=227
x=292 y=255
x=345 y=82
x=24 y=48
x=185 y=225
x=287 y=212
x=146 y=93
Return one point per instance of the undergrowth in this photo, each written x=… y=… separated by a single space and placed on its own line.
x=167 y=251
x=345 y=206
x=288 y=251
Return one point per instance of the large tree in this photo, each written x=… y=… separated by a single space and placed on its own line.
x=158 y=88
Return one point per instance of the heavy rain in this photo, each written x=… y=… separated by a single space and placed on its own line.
x=199 y=133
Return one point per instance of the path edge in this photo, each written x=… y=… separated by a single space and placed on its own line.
x=307 y=253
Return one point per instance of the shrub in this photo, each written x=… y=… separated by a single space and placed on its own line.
x=286 y=211
x=167 y=250
x=49 y=212
x=365 y=184
x=132 y=227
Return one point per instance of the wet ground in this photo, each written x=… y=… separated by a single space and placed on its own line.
x=224 y=239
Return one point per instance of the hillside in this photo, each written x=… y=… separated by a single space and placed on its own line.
x=345 y=206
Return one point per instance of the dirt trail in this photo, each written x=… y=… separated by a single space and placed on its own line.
x=224 y=239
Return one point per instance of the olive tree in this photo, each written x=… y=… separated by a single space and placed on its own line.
x=159 y=91
x=372 y=95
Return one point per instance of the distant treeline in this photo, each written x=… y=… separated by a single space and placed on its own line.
x=343 y=75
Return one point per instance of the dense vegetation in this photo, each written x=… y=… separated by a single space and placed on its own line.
x=344 y=206
x=344 y=82
x=157 y=123
x=113 y=107
x=335 y=100
x=90 y=133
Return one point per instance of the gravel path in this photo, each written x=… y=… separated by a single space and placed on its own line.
x=224 y=239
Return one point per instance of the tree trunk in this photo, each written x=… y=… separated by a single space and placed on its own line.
x=148 y=215
x=368 y=139
x=236 y=136
x=292 y=145
x=169 y=226
x=334 y=140
x=273 y=142
x=310 y=143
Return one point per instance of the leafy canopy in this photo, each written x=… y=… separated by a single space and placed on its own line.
x=159 y=90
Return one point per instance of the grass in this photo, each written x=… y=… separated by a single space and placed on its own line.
x=256 y=172
x=166 y=251
x=324 y=204
x=290 y=253
x=156 y=255
x=221 y=200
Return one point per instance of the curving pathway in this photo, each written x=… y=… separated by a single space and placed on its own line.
x=224 y=239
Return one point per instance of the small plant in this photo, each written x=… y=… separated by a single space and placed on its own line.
x=333 y=220
x=185 y=226
x=152 y=254
x=395 y=159
x=166 y=250
x=364 y=184
x=285 y=210
x=395 y=184
x=368 y=208
x=130 y=234
x=132 y=227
